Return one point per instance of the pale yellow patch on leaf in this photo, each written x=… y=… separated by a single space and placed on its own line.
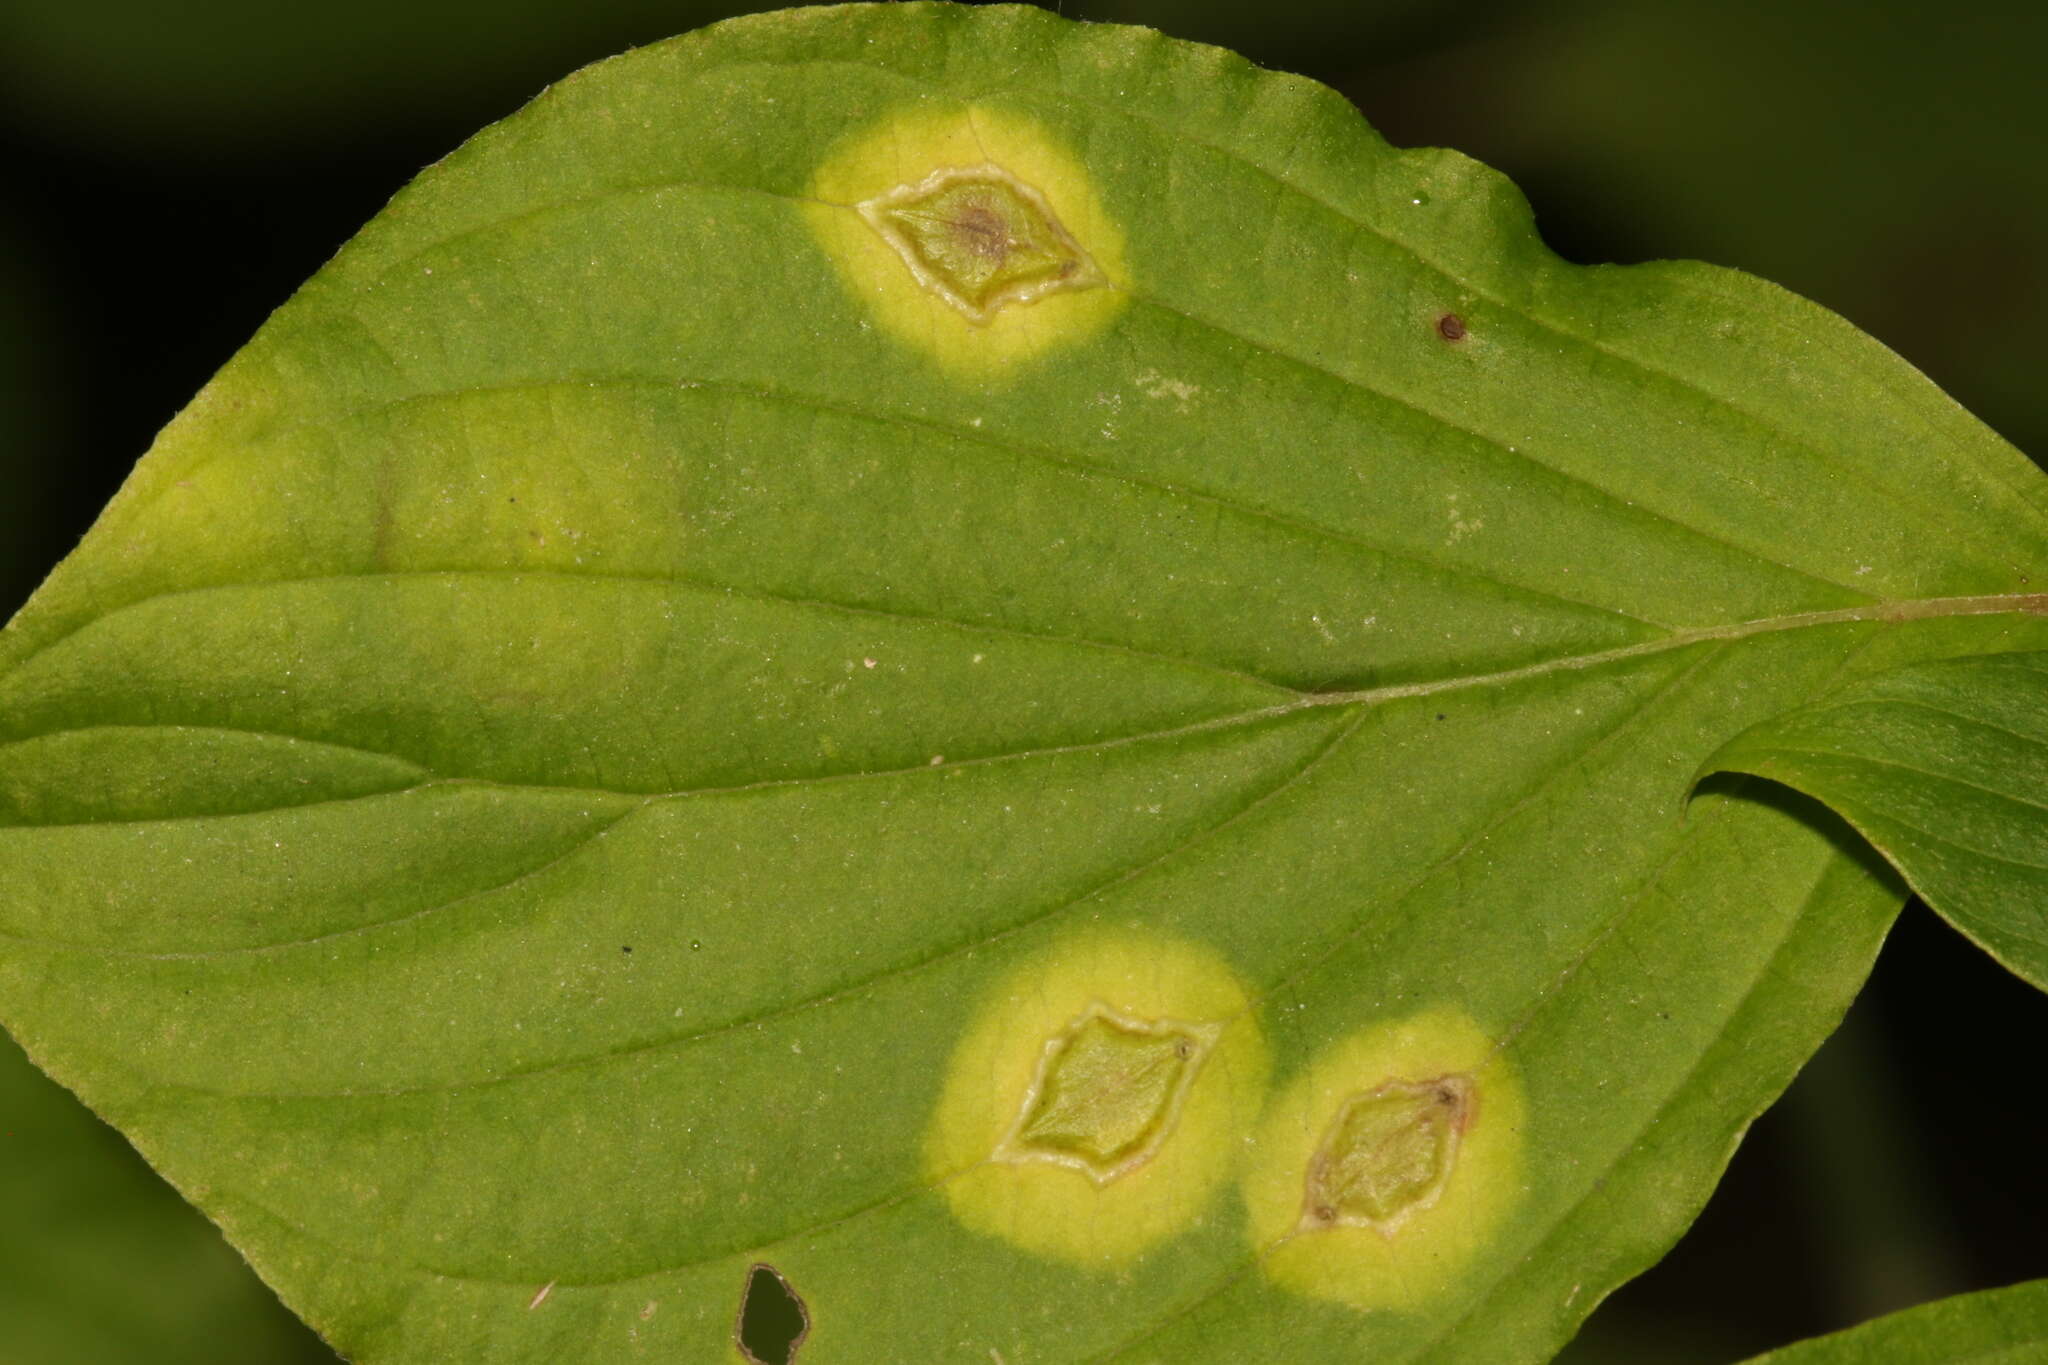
x=1008 y=1153
x=1356 y=1191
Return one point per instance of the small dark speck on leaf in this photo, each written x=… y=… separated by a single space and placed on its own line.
x=773 y=1321
x=626 y=948
x=1439 y=715
x=1451 y=327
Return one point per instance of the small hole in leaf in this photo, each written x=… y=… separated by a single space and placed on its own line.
x=773 y=1321
x=1451 y=327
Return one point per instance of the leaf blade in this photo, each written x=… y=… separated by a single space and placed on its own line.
x=1386 y=654
x=1998 y=1325
x=1944 y=767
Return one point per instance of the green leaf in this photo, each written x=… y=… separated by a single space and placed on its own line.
x=628 y=737
x=2008 y=1326
x=1944 y=768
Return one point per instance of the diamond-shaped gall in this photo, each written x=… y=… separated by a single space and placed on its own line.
x=981 y=239
x=1387 y=1154
x=1108 y=1090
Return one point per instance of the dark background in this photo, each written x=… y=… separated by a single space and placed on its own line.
x=169 y=173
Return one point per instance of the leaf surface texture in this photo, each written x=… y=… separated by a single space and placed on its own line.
x=535 y=776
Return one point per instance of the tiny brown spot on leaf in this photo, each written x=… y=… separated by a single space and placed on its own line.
x=981 y=232
x=1451 y=327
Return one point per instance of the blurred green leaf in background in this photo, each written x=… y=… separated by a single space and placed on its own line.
x=101 y=1262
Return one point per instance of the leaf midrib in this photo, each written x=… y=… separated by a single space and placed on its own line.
x=1881 y=612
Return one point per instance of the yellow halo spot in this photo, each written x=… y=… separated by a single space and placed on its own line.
x=1381 y=1171
x=1094 y=1106
x=969 y=235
